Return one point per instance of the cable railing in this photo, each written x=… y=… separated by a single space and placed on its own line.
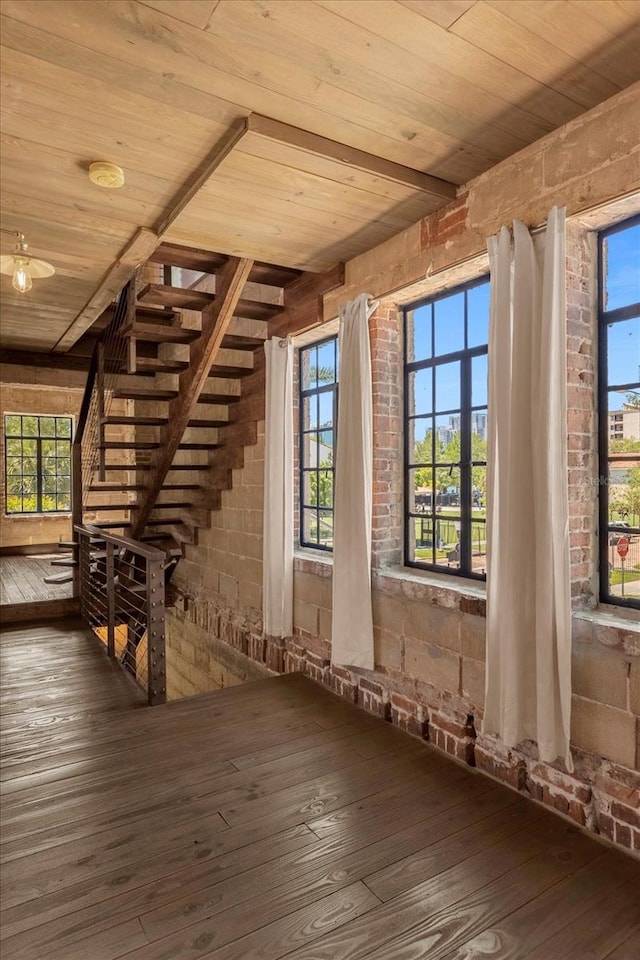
x=110 y=355
x=122 y=597
x=107 y=361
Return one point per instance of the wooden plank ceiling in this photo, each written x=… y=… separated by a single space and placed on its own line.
x=446 y=87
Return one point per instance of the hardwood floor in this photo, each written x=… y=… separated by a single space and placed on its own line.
x=270 y=820
x=23 y=593
x=22 y=579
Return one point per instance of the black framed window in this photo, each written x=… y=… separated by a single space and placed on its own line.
x=445 y=390
x=318 y=366
x=37 y=463
x=619 y=412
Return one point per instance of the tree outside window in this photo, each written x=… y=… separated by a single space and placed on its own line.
x=446 y=347
x=37 y=464
x=318 y=415
x=619 y=410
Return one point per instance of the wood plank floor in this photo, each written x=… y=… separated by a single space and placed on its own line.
x=270 y=820
x=22 y=579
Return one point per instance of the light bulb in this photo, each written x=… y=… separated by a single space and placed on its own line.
x=21 y=276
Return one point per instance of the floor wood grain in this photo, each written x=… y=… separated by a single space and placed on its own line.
x=270 y=820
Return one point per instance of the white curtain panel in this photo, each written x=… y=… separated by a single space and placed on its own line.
x=352 y=620
x=277 y=567
x=528 y=685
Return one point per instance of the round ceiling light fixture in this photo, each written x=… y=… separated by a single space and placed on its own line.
x=105 y=174
x=23 y=268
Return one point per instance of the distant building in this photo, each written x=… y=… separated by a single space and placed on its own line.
x=624 y=424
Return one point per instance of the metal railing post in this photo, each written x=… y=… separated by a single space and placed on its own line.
x=111 y=601
x=156 y=659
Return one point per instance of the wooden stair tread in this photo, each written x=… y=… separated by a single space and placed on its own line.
x=131 y=467
x=225 y=372
x=128 y=445
x=220 y=398
x=181 y=486
x=135 y=421
x=114 y=487
x=65 y=577
x=164 y=522
x=64 y=562
x=160 y=333
x=149 y=314
x=172 y=506
x=156 y=365
x=189 y=299
x=100 y=507
x=160 y=422
x=199 y=446
x=110 y=524
x=233 y=341
x=141 y=393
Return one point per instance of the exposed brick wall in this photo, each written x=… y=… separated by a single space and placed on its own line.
x=581 y=411
x=385 y=330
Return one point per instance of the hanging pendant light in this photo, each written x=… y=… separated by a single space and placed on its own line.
x=23 y=268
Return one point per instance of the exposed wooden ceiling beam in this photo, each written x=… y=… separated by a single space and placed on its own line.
x=215 y=322
x=312 y=143
x=137 y=251
x=202 y=175
x=303 y=302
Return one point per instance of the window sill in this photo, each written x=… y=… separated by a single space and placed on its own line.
x=37 y=516
x=616 y=628
x=318 y=562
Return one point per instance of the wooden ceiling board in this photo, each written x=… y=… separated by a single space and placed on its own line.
x=580 y=37
x=43 y=172
x=443 y=12
x=214 y=78
x=292 y=185
x=478 y=70
x=234 y=226
x=376 y=73
x=613 y=15
x=447 y=87
x=196 y=12
x=286 y=223
x=290 y=158
x=93 y=230
x=544 y=61
x=124 y=111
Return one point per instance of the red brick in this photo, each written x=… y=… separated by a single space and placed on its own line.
x=512 y=771
x=623 y=835
x=621 y=812
x=606 y=826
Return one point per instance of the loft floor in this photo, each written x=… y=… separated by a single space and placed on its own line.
x=22 y=579
x=270 y=820
x=24 y=596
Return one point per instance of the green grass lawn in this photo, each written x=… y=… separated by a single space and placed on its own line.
x=615 y=576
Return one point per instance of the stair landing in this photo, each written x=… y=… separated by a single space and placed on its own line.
x=25 y=596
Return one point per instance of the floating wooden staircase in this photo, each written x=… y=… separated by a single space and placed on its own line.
x=178 y=398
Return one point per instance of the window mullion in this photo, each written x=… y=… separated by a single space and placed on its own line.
x=38 y=473
x=465 y=465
